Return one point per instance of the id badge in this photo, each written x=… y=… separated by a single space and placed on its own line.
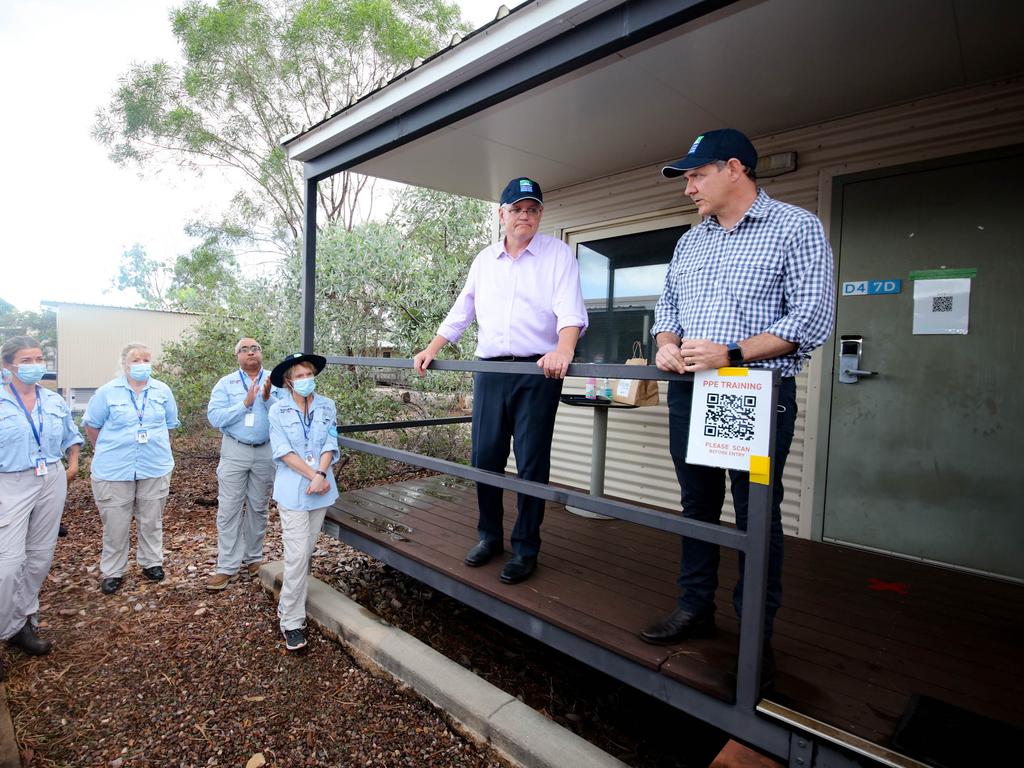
x=40 y=467
x=309 y=459
x=250 y=419
x=142 y=436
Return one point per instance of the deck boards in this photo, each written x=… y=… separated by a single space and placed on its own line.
x=847 y=655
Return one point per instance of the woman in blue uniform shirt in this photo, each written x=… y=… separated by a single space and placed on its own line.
x=36 y=431
x=304 y=443
x=127 y=420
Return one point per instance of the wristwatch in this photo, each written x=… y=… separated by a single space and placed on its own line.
x=322 y=473
x=735 y=354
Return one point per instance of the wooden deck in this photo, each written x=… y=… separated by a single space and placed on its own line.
x=857 y=636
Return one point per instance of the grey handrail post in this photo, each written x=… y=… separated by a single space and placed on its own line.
x=755 y=573
x=308 y=265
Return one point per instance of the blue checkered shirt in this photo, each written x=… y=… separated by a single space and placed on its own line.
x=770 y=273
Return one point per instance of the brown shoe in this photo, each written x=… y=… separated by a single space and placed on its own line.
x=254 y=568
x=220 y=581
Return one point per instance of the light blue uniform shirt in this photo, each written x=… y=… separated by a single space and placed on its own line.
x=227 y=410
x=18 y=447
x=287 y=435
x=119 y=454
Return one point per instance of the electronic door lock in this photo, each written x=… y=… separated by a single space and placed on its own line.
x=850 y=350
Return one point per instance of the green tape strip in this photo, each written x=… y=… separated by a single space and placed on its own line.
x=942 y=274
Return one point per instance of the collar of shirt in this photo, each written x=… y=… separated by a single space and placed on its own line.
x=757 y=210
x=122 y=381
x=500 y=249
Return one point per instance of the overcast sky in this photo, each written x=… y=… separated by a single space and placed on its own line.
x=67 y=211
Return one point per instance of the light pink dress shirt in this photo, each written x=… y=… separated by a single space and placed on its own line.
x=519 y=304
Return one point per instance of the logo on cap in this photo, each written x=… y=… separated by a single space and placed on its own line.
x=525 y=185
x=696 y=143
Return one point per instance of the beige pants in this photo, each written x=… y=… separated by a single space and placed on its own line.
x=300 y=529
x=120 y=500
x=245 y=477
x=30 y=510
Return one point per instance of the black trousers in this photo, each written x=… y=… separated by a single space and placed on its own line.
x=703 y=493
x=520 y=408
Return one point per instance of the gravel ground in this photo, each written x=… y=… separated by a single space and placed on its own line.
x=168 y=674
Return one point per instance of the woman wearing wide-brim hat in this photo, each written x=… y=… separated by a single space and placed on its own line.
x=304 y=444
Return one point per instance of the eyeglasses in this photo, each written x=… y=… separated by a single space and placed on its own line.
x=532 y=211
x=247 y=350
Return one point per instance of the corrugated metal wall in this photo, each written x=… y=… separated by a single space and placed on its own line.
x=638 y=464
x=90 y=339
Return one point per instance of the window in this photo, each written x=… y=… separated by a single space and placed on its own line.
x=622 y=277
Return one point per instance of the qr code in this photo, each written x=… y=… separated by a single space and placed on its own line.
x=730 y=417
x=942 y=303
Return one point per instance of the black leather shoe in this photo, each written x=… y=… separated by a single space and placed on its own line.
x=61 y=530
x=519 y=568
x=111 y=585
x=153 y=573
x=31 y=643
x=680 y=625
x=483 y=552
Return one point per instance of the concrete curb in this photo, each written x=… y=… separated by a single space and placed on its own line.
x=520 y=733
x=9 y=756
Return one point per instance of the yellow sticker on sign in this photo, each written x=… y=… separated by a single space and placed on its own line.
x=760 y=469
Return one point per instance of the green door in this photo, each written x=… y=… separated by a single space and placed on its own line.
x=925 y=458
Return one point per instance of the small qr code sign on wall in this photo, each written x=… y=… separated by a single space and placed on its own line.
x=730 y=417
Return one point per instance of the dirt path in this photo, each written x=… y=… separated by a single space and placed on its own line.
x=170 y=675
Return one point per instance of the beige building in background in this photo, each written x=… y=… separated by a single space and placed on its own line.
x=90 y=338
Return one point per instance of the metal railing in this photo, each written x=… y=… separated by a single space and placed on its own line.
x=753 y=543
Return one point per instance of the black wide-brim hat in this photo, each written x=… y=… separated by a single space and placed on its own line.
x=277 y=375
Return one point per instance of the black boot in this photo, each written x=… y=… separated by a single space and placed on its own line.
x=27 y=639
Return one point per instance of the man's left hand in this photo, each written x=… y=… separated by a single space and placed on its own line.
x=555 y=364
x=703 y=355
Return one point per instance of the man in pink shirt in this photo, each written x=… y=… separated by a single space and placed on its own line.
x=524 y=293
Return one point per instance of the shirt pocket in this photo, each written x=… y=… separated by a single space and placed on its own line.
x=10 y=428
x=318 y=436
x=292 y=428
x=156 y=412
x=691 y=276
x=121 y=415
x=53 y=424
x=756 y=284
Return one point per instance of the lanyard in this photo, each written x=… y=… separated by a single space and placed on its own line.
x=307 y=423
x=145 y=397
x=245 y=384
x=36 y=433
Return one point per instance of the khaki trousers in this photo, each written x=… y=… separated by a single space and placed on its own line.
x=245 y=478
x=120 y=500
x=300 y=529
x=30 y=510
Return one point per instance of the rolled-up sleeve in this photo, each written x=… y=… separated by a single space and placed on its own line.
x=809 y=290
x=72 y=436
x=331 y=439
x=171 y=410
x=97 y=411
x=568 y=305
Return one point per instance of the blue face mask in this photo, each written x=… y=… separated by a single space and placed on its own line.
x=304 y=387
x=140 y=371
x=30 y=373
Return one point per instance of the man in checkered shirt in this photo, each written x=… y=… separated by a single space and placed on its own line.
x=750 y=285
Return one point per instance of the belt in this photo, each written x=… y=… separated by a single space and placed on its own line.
x=251 y=445
x=512 y=359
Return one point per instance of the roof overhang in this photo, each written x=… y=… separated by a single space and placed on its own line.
x=571 y=90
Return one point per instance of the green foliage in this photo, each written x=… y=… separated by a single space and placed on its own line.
x=42 y=326
x=255 y=72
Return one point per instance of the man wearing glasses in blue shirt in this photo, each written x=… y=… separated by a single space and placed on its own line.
x=245 y=475
x=751 y=285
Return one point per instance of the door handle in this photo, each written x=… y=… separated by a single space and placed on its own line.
x=851 y=348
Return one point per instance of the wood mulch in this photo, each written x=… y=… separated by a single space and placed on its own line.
x=171 y=675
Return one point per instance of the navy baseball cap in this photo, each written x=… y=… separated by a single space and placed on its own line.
x=723 y=144
x=521 y=188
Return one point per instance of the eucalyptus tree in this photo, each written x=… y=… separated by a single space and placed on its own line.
x=254 y=72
